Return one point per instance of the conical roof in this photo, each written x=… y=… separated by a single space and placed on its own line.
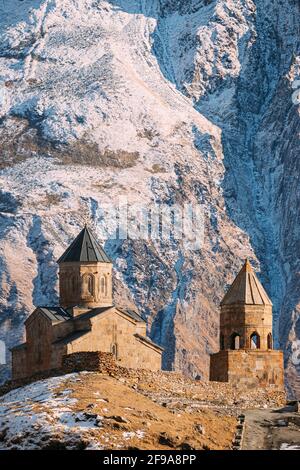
x=84 y=248
x=246 y=289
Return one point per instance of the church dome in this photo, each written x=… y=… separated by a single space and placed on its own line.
x=246 y=289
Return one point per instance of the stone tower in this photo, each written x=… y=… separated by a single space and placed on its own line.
x=246 y=314
x=85 y=274
x=246 y=343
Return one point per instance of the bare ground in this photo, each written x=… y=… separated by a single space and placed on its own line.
x=276 y=429
x=139 y=409
x=127 y=411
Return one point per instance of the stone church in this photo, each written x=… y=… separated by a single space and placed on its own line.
x=86 y=318
x=246 y=353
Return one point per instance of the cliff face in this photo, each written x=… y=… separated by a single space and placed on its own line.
x=164 y=101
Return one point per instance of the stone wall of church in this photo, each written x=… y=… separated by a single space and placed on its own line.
x=36 y=357
x=248 y=368
x=57 y=353
x=62 y=329
x=143 y=356
x=114 y=333
x=39 y=343
x=19 y=363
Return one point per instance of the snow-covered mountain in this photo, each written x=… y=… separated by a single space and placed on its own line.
x=170 y=101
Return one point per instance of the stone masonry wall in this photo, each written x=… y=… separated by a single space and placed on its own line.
x=252 y=368
x=39 y=344
x=19 y=363
x=89 y=361
x=245 y=320
x=113 y=329
x=73 y=289
x=111 y=332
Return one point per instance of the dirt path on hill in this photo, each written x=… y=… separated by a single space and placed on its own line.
x=277 y=429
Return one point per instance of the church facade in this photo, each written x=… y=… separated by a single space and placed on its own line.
x=86 y=318
x=246 y=353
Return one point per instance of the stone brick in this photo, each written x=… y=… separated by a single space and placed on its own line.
x=89 y=361
x=252 y=367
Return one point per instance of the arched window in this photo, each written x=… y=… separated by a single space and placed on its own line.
x=87 y=285
x=90 y=285
x=235 y=341
x=270 y=341
x=255 y=341
x=103 y=286
x=222 y=342
x=114 y=350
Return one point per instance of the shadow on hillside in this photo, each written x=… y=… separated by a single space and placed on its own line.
x=159 y=36
x=44 y=284
x=13 y=12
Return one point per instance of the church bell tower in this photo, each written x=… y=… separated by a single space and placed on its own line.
x=246 y=355
x=246 y=314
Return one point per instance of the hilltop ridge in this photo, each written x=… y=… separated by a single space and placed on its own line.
x=140 y=409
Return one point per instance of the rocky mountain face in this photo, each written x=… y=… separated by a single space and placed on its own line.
x=163 y=102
